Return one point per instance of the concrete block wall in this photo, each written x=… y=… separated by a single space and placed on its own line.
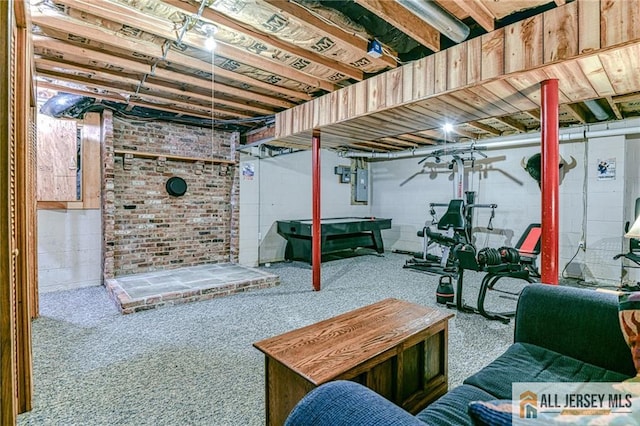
x=153 y=230
x=69 y=249
x=605 y=209
x=591 y=209
x=403 y=190
x=281 y=189
x=631 y=272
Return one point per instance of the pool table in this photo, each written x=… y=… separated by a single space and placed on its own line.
x=338 y=233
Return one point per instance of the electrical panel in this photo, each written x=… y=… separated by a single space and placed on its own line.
x=362 y=185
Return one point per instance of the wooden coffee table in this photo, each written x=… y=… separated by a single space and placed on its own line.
x=394 y=347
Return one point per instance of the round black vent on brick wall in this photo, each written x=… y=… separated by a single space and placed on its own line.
x=176 y=186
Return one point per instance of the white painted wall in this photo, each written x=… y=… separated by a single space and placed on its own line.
x=280 y=190
x=605 y=210
x=69 y=249
x=590 y=209
x=403 y=189
x=632 y=191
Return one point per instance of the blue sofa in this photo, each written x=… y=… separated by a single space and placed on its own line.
x=562 y=334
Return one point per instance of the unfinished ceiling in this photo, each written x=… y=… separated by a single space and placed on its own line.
x=272 y=55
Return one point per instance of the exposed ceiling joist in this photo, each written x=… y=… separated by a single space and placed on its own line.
x=114 y=39
x=130 y=92
x=122 y=65
x=510 y=122
x=614 y=107
x=401 y=18
x=221 y=19
x=484 y=127
x=464 y=133
x=478 y=12
x=120 y=99
x=333 y=31
x=47 y=65
x=378 y=145
x=400 y=142
x=577 y=111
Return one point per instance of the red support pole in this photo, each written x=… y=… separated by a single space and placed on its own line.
x=550 y=181
x=316 y=242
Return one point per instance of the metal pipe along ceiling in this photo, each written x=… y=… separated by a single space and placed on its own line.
x=440 y=19
x=511 y=141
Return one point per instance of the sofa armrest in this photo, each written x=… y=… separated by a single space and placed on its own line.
x=579 y=323
x=344 y=403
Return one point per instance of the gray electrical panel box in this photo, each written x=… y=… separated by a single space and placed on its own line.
x=362 y=185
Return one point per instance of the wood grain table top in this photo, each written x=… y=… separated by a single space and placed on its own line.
x=324 y=350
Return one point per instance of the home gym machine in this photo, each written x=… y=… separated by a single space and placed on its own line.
x=455 y=228
x=505 y=262
x=456 y=224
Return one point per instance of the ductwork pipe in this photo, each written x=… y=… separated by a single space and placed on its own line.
x=511 y=141
x=597 y=111
x=430 y=12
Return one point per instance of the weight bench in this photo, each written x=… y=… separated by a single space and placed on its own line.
x=528 y=247
x=506 y=262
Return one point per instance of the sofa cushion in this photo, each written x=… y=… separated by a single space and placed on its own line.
x=523 y=362
x=498 y=412
x=630 y=324
x=344 y=403
x=452 y=407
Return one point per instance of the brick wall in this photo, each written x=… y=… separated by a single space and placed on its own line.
x=108 y=196
x=153 y=230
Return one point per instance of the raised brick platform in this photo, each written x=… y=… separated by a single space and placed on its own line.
x=140 y=292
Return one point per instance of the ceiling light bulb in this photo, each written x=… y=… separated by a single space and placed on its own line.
x=448 y=127
x=210 y=43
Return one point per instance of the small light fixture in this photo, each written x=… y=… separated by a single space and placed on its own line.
x=210 y=30
x=447 y=128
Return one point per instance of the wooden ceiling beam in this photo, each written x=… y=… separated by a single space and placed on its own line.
x=139 y=67
x=205 y=98
x=157 y=26
x=614 y=107
x=143 y=96
x=241 y=78
x=88 y=93
x=484 y=127
x=397 y=141
x=334 y=32
x=365 y=146
x=629 y=97
x=510 y=122
x=576 y=111
x=111 y=38
x=252 y=96
x=272 y=66
x=379 y=144
x=415 y=138
x=478 y=12
x=204 y=85
x=464 y=133
x=240 y=27
x=534 y=113
x=405 y=21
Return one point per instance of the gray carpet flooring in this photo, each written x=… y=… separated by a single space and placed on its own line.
x=194 y=364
